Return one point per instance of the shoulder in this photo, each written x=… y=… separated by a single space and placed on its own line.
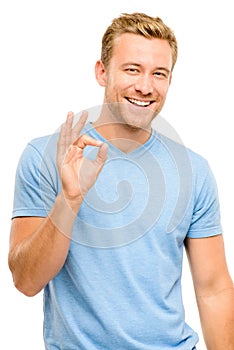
x=38 y=154
x=185 y=155
x=44 y=144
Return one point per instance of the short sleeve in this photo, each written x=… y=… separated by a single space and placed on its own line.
x=206 y=214
x=35 y=183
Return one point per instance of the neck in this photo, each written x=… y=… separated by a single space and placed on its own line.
x=123 y=136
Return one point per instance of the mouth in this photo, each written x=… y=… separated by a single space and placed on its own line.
x=139 y=103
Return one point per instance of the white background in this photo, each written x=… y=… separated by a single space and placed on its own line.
x=48 y=52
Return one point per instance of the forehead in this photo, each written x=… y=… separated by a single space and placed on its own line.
x=135 y=48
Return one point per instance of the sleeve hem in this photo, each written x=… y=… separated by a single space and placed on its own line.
x=205 y=233
x=31 y=212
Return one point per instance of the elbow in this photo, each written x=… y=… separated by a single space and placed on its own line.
x=214 y=287
x=22 y=283
x=28 y=292
x=25 y=288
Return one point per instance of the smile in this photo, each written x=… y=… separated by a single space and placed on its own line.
x=139 y=103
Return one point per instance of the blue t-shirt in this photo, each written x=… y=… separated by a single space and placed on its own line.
x=120 y=287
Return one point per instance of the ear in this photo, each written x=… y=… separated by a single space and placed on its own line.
x=100 y=73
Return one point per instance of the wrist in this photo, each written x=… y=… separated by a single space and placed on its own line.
x=64 y=213
x=73 y=203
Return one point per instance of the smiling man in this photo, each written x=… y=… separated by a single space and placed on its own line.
x=137 y=78
x=104 y=209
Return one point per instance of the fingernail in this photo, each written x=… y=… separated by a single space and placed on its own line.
x=99 y=143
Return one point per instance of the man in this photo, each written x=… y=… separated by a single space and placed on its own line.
x=103 y=210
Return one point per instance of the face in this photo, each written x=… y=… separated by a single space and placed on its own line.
x=137 y=79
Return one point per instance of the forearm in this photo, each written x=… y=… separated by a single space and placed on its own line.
x=217 y=319
x=35 y=260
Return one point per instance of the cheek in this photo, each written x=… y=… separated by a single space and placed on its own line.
x=123 y=81
x=162 y=89
x=113 y=82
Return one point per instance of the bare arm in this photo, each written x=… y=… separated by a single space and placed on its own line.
x=214 y=291
x=39 y=246
x=38 y=249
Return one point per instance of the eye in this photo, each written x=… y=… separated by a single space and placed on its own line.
x=161 y=74
x=132 y=70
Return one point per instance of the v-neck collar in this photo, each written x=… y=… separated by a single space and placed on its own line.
x=138 y=151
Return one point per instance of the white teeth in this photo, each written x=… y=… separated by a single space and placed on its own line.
x=139 y=103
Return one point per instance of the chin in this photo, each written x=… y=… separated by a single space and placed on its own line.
x=137 y=124
x=134 y=117
x=138 y=117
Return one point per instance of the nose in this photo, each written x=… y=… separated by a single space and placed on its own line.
x=144 y=84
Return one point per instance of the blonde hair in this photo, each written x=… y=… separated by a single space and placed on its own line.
x=141 y=24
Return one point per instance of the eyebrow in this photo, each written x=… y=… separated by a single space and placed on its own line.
x=163 y=68
x=139 y=65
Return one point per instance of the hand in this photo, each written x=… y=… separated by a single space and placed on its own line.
x=78 y=174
